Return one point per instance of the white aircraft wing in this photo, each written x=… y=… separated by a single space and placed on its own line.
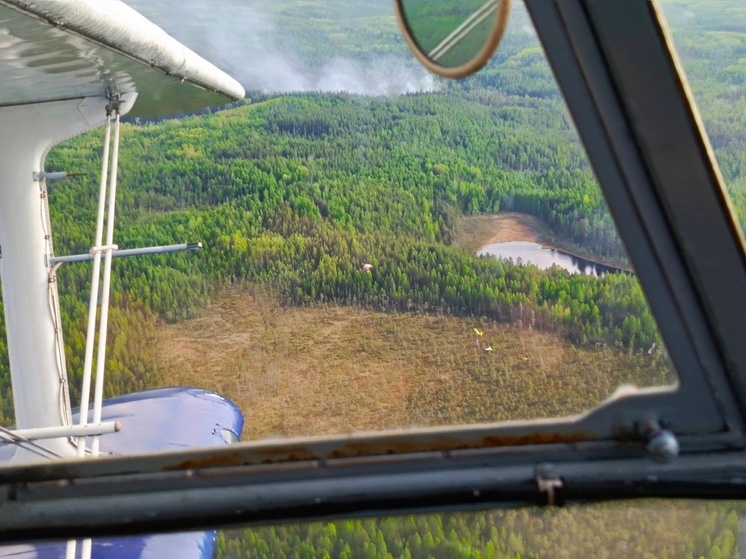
x=65 y=49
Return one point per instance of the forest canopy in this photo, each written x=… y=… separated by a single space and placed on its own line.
x=295 y=191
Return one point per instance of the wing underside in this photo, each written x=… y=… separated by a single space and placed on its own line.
x=66 y=49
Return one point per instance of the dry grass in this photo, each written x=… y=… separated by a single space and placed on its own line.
x=475 y=232
x=329 y=369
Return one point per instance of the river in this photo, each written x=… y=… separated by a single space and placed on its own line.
x=534 y=253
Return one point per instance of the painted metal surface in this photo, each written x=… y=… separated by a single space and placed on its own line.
x=128 y=252
x=168 y=418
x=190 y=545
x=590 y=53
x=71 y=431
x=174 y=418
x=62 y=62
x=63 y=49
x=669 y=130
x=30 y=299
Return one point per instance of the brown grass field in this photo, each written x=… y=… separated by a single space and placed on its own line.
x=477 y=231
x=329 y=369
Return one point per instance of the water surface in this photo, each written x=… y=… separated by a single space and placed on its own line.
x=544 y=258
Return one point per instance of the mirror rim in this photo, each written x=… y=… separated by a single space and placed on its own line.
x=473 y=65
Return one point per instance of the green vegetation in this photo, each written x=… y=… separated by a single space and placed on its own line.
x=711 y=41
x=645 y=529
x=301 y=190
x=291 y=194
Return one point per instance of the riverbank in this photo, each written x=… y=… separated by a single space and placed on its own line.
x=476 y=232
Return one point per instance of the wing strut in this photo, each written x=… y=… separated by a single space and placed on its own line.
x=93 y=304
x=107 y=249
x=97 y=250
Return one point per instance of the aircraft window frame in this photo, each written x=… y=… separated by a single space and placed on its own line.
x=615 y=65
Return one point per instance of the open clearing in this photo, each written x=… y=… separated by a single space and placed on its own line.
x=330 y=369
x=477 y=231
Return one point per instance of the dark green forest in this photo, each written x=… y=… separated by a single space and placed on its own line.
x=301 y=190
x=297 y=191
x=643 y=529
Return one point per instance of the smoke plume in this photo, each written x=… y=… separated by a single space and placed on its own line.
x=250 y=45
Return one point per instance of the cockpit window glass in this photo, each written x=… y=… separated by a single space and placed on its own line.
x=614 y=530
x=710 y=38
x=642 y=528
x=381 y=249
x=391 y=251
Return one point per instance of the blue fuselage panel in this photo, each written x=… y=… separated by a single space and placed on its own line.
x=157 y=420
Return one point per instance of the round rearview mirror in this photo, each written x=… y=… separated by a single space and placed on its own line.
x=453 y=38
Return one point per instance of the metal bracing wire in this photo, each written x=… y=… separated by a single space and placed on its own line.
x=92 y=306
x=8 y=436
x=54 y=309
x=59 y=350
x=103 y=322
x=98 y=248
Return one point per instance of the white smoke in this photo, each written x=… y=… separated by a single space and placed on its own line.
x=249 y=45
x=381 y=76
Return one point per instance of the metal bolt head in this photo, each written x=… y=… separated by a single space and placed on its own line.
x=663 y=447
